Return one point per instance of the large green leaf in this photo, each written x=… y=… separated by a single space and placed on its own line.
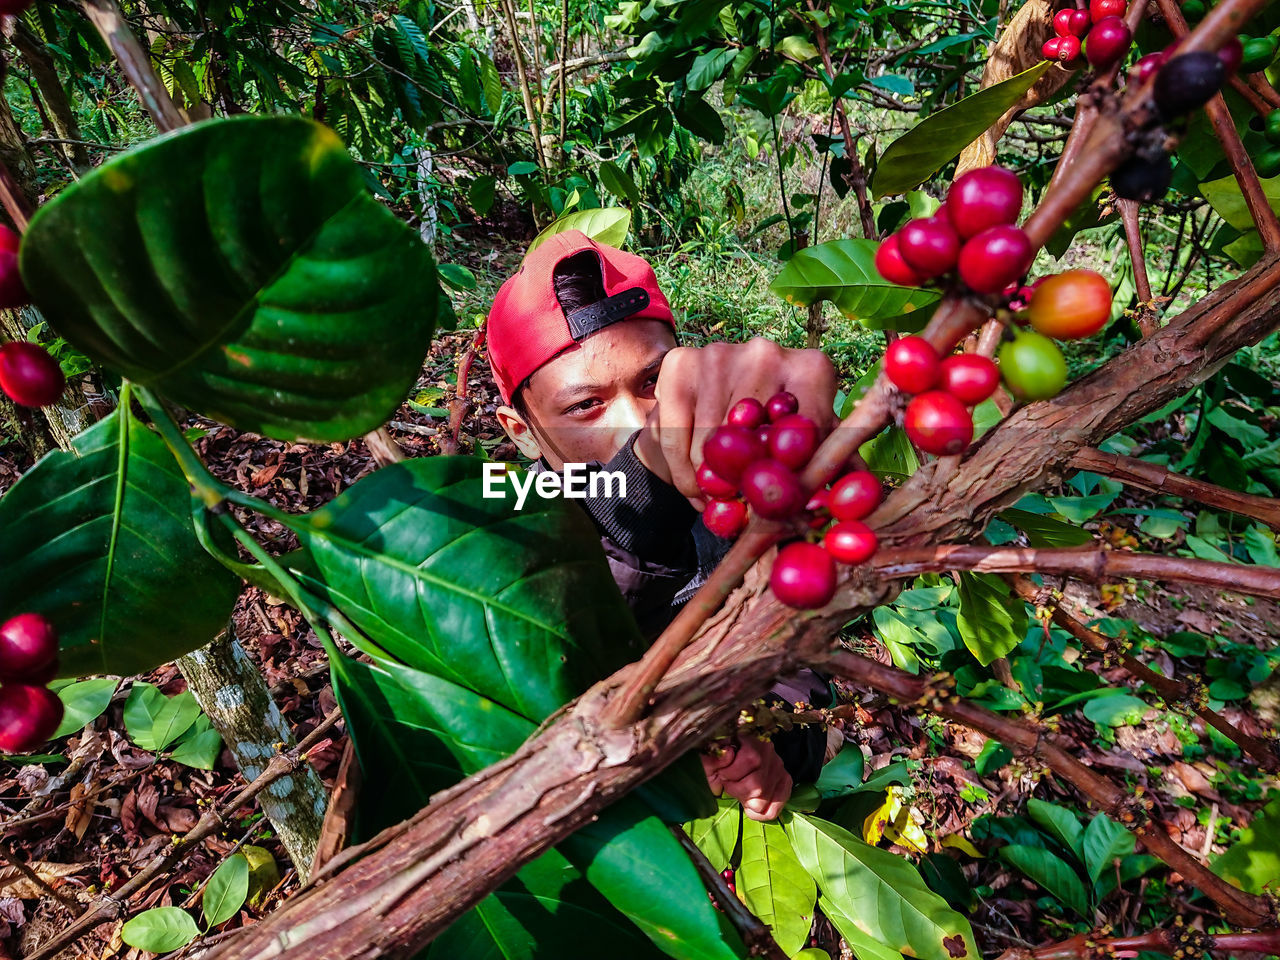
x=496 y=618
x=774 y=884
x=881 y=893
x=101 y=541
x=932 y=143
x=992 y=620
x=844 y=272
x=240 y=267
x=421 y=734
x=1227 y=200
x=1103 y=842
x=1051 y=872
x=608 y=225
x=717 y=835
x=1061 y=823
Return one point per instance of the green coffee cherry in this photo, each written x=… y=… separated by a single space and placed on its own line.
x=1271 y=127
x=1032 y=366
x=1267 y=163
x=1193 y=10
x=1258 y=53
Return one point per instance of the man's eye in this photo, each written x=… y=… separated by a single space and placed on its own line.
x=583 y=405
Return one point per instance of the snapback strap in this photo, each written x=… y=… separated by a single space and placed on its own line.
x=587 y=320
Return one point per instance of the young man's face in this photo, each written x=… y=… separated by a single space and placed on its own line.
x=585 y=404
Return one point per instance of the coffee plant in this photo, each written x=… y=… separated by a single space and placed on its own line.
x=531 y=783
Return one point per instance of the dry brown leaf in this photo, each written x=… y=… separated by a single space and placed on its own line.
x=1018 y=49
x=13 y=883
x=80 y=812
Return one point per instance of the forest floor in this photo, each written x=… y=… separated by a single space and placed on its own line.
x=85 y=836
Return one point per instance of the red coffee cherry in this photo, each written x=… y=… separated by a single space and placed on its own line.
x=1099 y=10
x=1146 y=68
x=995 y=258
x=747 y=412
x=714 y=485
x=725 y=518
x=13 y=292
x=772 y=490
x=1108 y=42
x=29 y=715
x=1068 y=49
x=764 y=433
x=982 y=198
x=1080 y=23
x=929 y=245
x=892 y=267
x=1062 y=23
x=970 y=378
x=793 y=440
x=781 y=404
x=803 y=576
x=851 y=542
x=912 y=364
x=938 y=423
x=1072 y=305
x=28 y=647
x=855 y=495
x=729 y=449
x=29 y=375
x=1231 y=54
x=1049 y=49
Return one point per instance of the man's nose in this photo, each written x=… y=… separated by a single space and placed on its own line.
x=627 y=414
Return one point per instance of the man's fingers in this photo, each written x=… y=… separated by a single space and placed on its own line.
x=743 y=766
x=763 y=810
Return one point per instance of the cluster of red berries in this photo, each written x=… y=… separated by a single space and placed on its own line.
x=937 y=419
x=29 y=711
x=754 y=460
x=974 y=234
x=28 y=374
x=1098 y=31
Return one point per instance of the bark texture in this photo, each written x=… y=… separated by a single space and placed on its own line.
x=391 y=896
x=232 y=692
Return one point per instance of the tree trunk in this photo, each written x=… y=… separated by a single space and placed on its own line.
x=231 y=691
x=62 y=118
x=392 y=896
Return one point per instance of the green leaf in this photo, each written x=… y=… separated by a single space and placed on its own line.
x=992 y=620
x=994 y=755
x=864 y=946
x=457 y=276
x=140 y=709
x=420 y=734
x=890 y=453
x=1252 y=863
x=173 y=719
x=1051 y=872
x=921 y=152
x=101 y=541
x=881 y=893
x=843 y=775
x=774 y=885
x=226 y=891
x=1061 y=823
x=1046 y=531
x=1228 y=202
x=797 y=48
x=522 y=168
x=707 y=68
x=1115 y=709
x=1104 y=841
x=160 y=930
x=844 y=272
x=717 y=835
x=241 y=268
x=200 y=751
x=83 y=703
x=608 y=225
x=616 y=181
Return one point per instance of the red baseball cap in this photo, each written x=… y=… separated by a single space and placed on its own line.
x=527 y=325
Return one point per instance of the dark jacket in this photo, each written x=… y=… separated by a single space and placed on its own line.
x=660 y=553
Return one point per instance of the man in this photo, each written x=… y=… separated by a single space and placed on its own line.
x=583 y=348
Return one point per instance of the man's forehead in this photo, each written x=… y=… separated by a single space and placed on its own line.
x=604 y=358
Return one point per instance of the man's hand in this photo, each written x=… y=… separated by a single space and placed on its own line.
x=697 y=386
x=752 y=773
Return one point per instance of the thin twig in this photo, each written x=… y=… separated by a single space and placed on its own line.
x=115 y=905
